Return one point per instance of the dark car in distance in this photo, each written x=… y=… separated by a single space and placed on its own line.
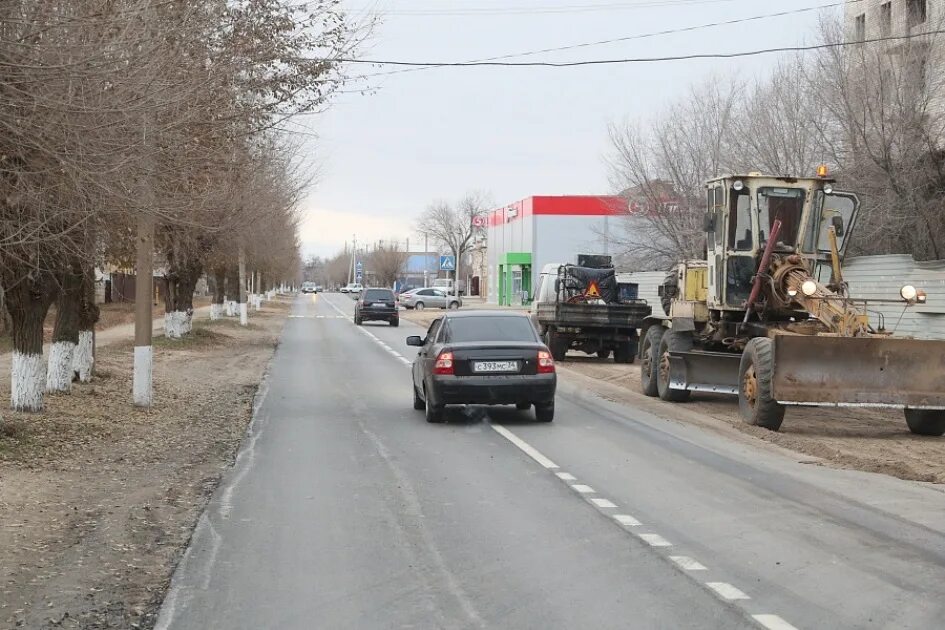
x=483 y=358
x=377 y=305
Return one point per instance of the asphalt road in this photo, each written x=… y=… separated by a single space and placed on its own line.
x=345 y=509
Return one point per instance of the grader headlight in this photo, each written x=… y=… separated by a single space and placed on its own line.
x=809 y=288
x=908 y=293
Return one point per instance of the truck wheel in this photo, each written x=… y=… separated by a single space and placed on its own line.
x=671 y=342
x=755 y=401
x=649 y=365
x=626 y=351
x=604 y=353
x=926 y=421
x=557 y=344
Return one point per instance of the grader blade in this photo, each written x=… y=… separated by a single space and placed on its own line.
x=859 y=371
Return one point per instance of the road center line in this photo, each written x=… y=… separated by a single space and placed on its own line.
x=726 y=590
x=524 y=446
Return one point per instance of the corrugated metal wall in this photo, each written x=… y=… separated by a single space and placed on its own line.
x=870 y=278
x=881 y=277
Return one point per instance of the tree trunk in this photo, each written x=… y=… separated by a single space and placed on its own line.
x=181 y=280
x=83 y=362
x=28 y=301
x=66 y=332
x=219 y=292
x=232 y=290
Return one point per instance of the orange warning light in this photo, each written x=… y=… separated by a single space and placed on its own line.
x=822 y=170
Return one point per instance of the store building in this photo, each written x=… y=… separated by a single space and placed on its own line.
x=524 y=236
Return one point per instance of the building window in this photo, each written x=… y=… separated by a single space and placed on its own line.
x=916 y=12
x=859 y=26
x=885 y=19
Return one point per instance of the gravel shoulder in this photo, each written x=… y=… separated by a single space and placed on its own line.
x=98 y=499
x=871 y=440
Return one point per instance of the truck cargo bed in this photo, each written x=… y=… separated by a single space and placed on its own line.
x=563 y=315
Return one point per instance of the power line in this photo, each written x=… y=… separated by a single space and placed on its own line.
x=673 y=31
x=539 y=10
x=600 y=62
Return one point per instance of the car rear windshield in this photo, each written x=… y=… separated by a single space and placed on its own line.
x=490 y=328
x=378 y=295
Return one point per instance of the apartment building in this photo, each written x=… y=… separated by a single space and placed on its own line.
x=872 y=19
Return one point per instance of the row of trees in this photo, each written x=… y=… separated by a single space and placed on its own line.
x=874 y=112
x=130 y=119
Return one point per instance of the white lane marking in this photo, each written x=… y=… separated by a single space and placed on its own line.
x=626 y=519
x=566 y=476
x=524 y=446
x=655 y=540
x=603 y=503
x=726 y=590
x=579 y=487
x=773 y=622
x=688 y=563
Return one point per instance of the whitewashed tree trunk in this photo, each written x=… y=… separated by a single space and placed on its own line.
x=187 y=321
x=216 y=311
x=27 y=380
x=83 y=360
x=59 y=367
x=142 y=376
x=172 y=328
x=244 y=314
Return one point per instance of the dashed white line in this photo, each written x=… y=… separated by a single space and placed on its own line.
x=604 y=503
x=626 y=519
x=655 y=540
x=566 y=476
x=773 y=622
x=580 y=487
x=524 y=446
x=726 y=590
x=688 y=563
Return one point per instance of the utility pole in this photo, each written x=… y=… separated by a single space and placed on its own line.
x=426 y=260
x=144 y=280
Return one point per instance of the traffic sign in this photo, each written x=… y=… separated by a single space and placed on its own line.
x=447 y=263
x=358 y=276
x=359 y=266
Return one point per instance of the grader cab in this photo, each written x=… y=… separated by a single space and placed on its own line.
x=768 y=317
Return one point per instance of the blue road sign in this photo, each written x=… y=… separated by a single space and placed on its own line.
x=359 y=266
x=447 y=263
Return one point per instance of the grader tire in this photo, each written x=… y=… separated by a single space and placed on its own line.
x=755 y=401
x=926 y=421
x=649 y=364
x=671 y=342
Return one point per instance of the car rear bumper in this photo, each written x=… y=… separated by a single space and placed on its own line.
x=493 y=390
x=386 y=314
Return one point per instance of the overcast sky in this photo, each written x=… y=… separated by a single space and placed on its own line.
x=512 y=132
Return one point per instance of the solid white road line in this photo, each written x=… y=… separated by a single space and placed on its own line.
x=726 y=590
x=523 y=446
x=626 y=519
x=566 y=476
x=579 y=487
x=688 y=563
x=655 y=540
x=773 y=622
x=603 y=503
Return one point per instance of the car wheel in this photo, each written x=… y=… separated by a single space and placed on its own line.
x=418 y=306
x=523 y=406
x=545 y=412
x=357 y=320
x=454 y=306
x=418 y=403
x=434 y=412
x=395 y=322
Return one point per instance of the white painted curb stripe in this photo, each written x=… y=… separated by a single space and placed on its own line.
x=726 y=590
x=566 y=476
x=524 y=446
x=655 y=540
x=626 y=519
x=583 y=489
x=688 y=563
x=603 y=503
x=773 y=622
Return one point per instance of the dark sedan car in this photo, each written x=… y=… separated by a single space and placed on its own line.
x=377 y=305
x=483 y=358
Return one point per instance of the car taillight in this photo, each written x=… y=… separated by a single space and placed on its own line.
x=546 y=364
x=444 y=363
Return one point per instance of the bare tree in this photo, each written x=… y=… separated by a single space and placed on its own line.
x=452 y=227
x=387 y=263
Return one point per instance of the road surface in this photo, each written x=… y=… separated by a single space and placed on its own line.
x=345 y=509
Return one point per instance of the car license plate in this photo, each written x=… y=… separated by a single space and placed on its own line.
x=495 y=366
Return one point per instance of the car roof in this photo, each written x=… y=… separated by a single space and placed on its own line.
x=485 y=313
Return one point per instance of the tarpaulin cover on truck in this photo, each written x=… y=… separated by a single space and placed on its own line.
x=579 y=283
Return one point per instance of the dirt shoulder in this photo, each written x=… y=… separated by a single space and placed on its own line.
x=872 y=440
x=98 y=499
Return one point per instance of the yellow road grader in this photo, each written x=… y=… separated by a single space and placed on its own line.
x=768 y=317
